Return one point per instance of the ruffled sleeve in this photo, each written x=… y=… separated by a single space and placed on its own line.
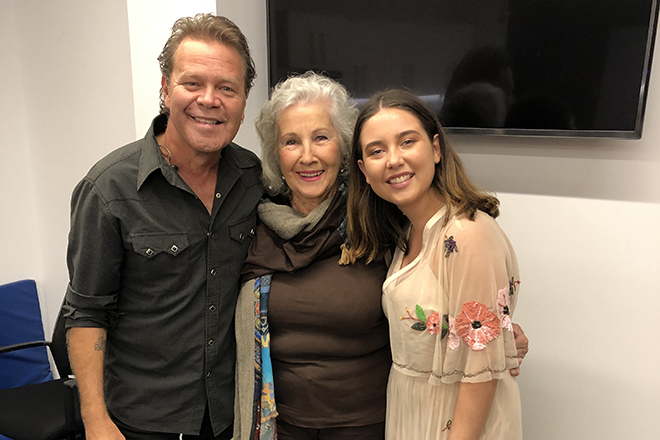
x=478 y=277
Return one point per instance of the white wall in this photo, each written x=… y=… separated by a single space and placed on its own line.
x=588 y=302
x=67 y=100
x=18 y=210
x=583 y=215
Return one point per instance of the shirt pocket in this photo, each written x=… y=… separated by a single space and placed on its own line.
x=149 y=245
x=157 y=262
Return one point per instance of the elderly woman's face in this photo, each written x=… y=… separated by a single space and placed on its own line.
x=309 y=151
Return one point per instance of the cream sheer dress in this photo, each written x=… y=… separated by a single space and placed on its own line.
x=461 y=262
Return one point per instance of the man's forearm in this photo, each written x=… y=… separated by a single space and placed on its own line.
x=87 y=353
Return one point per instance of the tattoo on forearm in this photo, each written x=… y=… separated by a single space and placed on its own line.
x=99 y=345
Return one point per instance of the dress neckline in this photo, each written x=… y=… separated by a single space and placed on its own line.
x=398 y=255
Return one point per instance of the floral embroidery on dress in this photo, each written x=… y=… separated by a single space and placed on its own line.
x=503 y=301
x=450 y=246
x=453 y=341
x=477 y=325
x=513 y=283
x=430 y=323
x=433 y=325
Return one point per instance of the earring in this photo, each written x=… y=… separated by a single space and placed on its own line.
x=343 y=168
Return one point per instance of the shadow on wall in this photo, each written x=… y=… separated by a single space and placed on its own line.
x=608 y=169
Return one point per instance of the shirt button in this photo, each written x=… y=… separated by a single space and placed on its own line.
x=174 y=248
x=211 y=342
x=218 y=195
x=252 y=231
x=149 y=252
x=213 y=272
x=208 y=374
x=209 y=234
x=212 y=308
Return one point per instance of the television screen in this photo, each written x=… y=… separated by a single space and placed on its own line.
x=512 y=67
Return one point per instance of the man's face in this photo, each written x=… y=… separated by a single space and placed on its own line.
x=206 y=97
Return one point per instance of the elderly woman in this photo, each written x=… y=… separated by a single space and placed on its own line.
x=306 y=327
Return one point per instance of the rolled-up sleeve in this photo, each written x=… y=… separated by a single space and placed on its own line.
x=94 y=259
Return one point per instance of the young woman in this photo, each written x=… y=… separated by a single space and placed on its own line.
x=453 y=281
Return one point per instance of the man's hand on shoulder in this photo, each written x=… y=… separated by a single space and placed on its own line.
x=522 y=345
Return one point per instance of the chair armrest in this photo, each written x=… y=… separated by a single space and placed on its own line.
x=23 y=345
x=71 y=408
x=71 y=383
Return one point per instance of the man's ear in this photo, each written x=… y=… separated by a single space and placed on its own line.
x=243 y=110
x=166 y=91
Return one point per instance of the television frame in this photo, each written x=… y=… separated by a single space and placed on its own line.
x=636 y=133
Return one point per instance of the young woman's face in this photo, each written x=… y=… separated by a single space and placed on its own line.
x=398 y=158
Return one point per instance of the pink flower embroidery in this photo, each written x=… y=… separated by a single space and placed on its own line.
x=453 y=341
x=433 y=323
x=503 y=308
x=477 y=325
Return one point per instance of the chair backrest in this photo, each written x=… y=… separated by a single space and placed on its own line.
x=20 y=321
x=58 y=346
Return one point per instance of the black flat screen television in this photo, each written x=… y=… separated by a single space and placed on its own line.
x=576 y=68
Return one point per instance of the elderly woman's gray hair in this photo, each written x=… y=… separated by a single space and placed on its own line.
x=308 y=87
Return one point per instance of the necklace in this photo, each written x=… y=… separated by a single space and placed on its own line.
x=168 y=159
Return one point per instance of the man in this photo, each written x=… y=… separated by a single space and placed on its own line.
x=159 y=230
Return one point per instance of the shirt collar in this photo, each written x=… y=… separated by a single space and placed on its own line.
x=151 y=158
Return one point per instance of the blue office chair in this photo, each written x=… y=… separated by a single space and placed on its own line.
x=35 y=407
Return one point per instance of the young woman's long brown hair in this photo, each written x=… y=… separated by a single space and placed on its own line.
x=375 y=225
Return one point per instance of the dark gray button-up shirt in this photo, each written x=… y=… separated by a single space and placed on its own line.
x=147 y=262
